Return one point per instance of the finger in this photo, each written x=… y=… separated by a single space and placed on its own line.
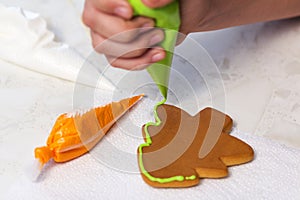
x=128 y=50
x=126 y=30
x=108 y=25
x=156 y=3
x=152 y=56
x=116 y=7
x=97 y=39
x=180 y=38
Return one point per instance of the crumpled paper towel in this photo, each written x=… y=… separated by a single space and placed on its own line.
x=110 y=171
x=26 y=41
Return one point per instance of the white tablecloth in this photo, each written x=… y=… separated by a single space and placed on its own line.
x=259 y=66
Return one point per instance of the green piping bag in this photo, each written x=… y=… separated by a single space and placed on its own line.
x=167 y=17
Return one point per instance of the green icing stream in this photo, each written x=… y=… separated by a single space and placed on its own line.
x=148 y=143
x=167 y=17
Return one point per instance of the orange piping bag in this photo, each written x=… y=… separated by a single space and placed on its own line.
x=75 y=134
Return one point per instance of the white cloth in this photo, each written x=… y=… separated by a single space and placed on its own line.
x=274 y=174
x=109 y=174
x=26 y=41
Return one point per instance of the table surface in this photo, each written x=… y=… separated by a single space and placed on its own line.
x=259 y=65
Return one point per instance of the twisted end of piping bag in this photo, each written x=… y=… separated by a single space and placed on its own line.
x=167 y=17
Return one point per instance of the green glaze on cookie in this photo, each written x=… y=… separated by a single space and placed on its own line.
x=167 y=17
x=148 y=143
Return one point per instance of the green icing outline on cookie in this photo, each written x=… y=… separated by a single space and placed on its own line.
x=148 y=143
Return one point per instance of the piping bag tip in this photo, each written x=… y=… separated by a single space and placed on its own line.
x=34 y=170
x=42 y=156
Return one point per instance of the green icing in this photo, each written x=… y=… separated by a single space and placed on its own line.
x=193 y=177
x=148 y=143
x=167 y=17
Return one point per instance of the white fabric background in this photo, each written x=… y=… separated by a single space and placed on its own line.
x=30 y=103
x=274 y=173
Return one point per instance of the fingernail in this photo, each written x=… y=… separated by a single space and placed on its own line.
x=157 y=57
x=155 y=39
x=154 y=1
x=146 y=27
x=151 y=1
x=122 y=11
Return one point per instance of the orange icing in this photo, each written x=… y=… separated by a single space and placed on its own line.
x=73 y=136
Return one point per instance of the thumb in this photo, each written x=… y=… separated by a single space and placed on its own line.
x=156 y=3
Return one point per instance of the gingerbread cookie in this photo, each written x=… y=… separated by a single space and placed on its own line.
x=180 y=149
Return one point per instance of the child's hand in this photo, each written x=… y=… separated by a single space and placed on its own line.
x=109 y=17
x=124 y=39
